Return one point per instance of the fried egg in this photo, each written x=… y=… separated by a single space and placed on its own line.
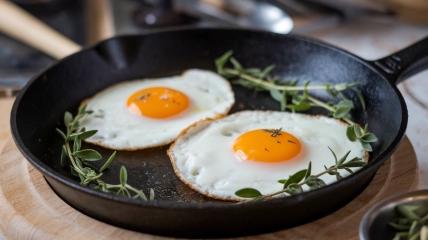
x=146 y=113
x=257 y=148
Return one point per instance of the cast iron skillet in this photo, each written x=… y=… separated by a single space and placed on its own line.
x=177 y=210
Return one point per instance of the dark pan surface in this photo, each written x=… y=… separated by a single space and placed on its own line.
x=178 y=210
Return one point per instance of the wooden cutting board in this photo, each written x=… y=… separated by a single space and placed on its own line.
x=5 y=107
x=29 y=209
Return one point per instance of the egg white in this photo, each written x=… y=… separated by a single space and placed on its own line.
x=203 y=158
x=210 y=96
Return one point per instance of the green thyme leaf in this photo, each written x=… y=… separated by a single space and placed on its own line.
x=248 y=193
x=314 y=182
x=293 y=188
x=400 y=235
x=266 y=71
x=108 y=162
x=360 y=98
x=61 y=133
x=350 y=133
x=353 y=164
x=123 y=176
x=235 y=63
x=308 y=171
x=295 y=178
x=343 y=108
x=359 y=132
x=399 y=227
x=367 y=147
x=408 y=211
x=413 y=228
x=281 y=97
x=84 y=134
x=88 y=155
x=343 y=86
x=151 y=194
x=63 y=159
x=299 y=106
x=68 y=118
x=77 y=143
x=369 y=138
x=334 y=155
x=140 y=194
x=342 y=159
x=222 y=60
x=82 y=110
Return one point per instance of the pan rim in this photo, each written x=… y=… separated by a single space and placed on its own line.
x=169 y=204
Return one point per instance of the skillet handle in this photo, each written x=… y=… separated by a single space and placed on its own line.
x=404 y=63
x=21 y=25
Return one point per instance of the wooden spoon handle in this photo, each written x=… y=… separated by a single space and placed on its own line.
x=99 y=19
x=22 y=26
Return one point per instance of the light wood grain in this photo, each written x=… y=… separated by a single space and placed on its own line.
x=5 y=107
x=22 y=26
x=99 y=19
x=30 y=210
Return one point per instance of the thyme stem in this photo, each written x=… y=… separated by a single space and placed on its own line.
x=330 y=169
x=274 y=86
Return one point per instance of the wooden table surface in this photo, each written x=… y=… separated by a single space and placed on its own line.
x=5 y=107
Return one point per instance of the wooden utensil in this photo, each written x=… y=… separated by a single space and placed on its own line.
x=24 y=27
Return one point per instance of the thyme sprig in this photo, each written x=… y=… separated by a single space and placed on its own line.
x=297 y=98
x=411 y=221
x=294 y=184
x=81 y=160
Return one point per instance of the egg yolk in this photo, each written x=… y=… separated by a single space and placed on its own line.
x=267 y=145
x=157 y=102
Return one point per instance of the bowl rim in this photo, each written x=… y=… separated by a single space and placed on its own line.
x=390 y=202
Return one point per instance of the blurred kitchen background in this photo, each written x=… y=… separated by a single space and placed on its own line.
x=369 y=28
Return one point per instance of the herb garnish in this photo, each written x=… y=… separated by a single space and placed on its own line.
x=411 y=221
x=294 y=183
x=297 y=98
x=274 y=132
x=80 y=160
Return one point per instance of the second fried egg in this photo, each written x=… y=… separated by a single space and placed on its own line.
x=257 y=148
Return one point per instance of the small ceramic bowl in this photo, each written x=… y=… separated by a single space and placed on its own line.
x=374 y=224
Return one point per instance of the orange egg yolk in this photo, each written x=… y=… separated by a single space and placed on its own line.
x=267 y=145
x=157 y=102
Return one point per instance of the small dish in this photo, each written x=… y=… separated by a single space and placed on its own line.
x=374 y=224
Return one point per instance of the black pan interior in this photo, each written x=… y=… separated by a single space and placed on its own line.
x=79 y=76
